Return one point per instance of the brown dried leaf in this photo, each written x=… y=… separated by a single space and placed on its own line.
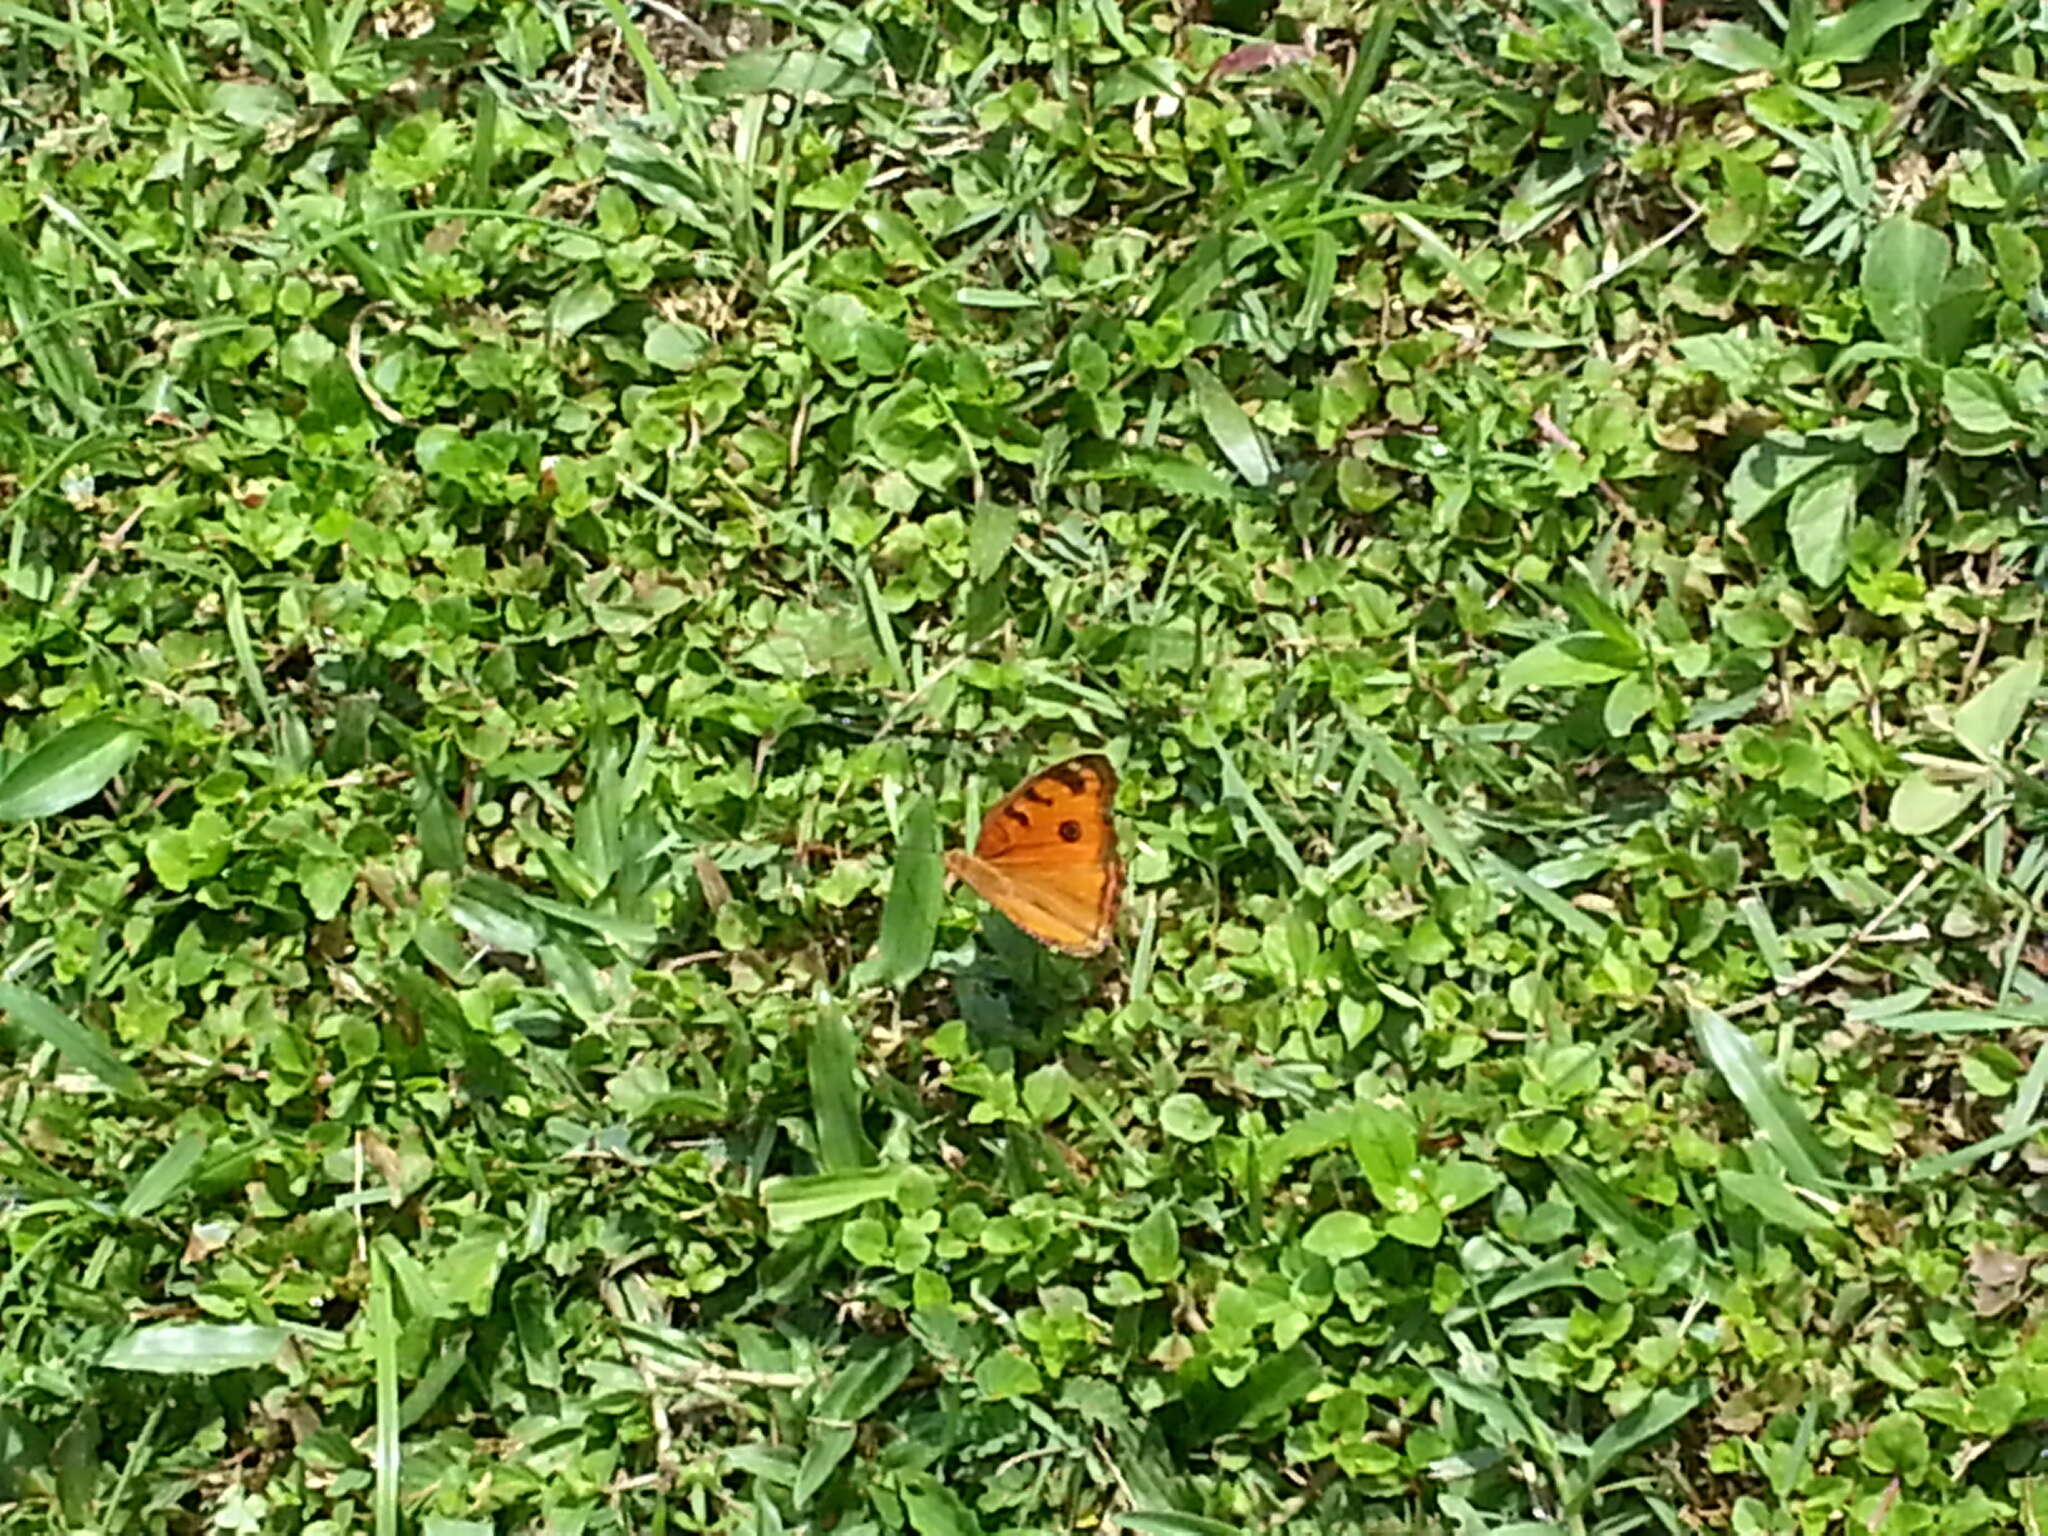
x=711 y=881
x=1997 y=1279
x=1253 y=58
x=380 y=1154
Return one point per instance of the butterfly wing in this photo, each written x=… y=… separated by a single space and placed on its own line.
x=1046 y=857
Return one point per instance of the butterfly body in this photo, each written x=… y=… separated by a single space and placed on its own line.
x=1046 y=857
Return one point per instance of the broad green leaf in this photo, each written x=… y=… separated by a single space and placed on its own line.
x=825 y=1448
x=1896 y=1443
x=581 y=304
x=536 y=1325
x=858 y=1389
x=1905 y=265
x=1734 y=47
x=1004 y=1374
x=1995 y=711
x=1778 y=1117
x=68 y=769
x=464 y=1275
x=497 y=914
x=1185 y=1117
x=440 y=826
x=1340 y=1235
x=989 y=537
x=2019 y=260
x=1771 y=468
x=833 y=325
x=1818 y=518
x=182 y=857
x=1849 y=38
x=77 y=1042
x=1458 y=1182
x=1567 y=662
x=1318 y=1132
x=1420 y=1224
x=324 y=882
x=1231 y=428
x=917 y=894
x=194 y=1349
x=672 y=346
x=1631 y=698
x=1978 y=401
x=1154 y=1245
x=1383 y=1141
x=1274 y=1386
x=1048 y=1092
x=1964 y=294
x=801 y=72
x=935 y=1510
x=1922 y=805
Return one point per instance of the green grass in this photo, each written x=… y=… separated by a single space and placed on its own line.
x=525 y=530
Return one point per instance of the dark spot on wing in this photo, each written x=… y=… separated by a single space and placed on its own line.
x=1017 y=816
x=1070 y=831
x=1070 y=776
x=1030 y=792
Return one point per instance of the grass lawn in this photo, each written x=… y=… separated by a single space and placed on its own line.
x=530 y=531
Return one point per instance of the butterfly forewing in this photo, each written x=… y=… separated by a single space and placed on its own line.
x=1046 y=857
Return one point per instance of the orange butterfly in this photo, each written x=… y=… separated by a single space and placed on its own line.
x=1046 y=858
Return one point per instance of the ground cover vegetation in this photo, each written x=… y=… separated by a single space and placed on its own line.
x=526 y=529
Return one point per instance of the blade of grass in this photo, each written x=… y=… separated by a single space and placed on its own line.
x=1758 y=918
x=1142 y=958
x=796 y=1200
x=1415 y=800
x=78 y=1043
x=384 y=1455
x=1235 y=788
x=917 y=894
x=1231 y=429
x=1943 y=1164
x=836 y=1092
x=880 y=626
x=1581 y=925
x=165 y=1179
x=194 y=1349
x=1778 y=1117
x=1963 y=1021
x=659 y=90
x=1645 y=1423
x=1327 y=157
x=66 y=770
